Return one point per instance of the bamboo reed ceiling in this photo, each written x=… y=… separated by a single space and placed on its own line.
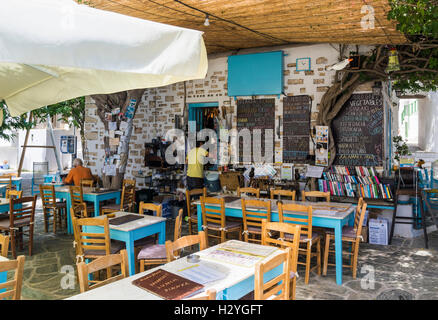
x=244 y=24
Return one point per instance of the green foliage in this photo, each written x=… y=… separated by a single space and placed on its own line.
x=418 y=21
x=71 y=112
x=401 y=148
x=416 y=18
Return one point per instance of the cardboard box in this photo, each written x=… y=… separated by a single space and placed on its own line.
x=378 y=231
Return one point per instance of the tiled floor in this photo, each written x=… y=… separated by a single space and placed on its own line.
x=404 y=270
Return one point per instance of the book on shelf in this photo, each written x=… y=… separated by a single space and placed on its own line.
x=358 y=181
x=168 y=285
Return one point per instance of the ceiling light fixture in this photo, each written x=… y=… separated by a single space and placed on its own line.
x=206 y=22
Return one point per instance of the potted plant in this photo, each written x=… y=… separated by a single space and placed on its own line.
x=401 y=149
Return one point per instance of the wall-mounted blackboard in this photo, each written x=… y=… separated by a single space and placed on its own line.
x=256 y=114
x=358 y=131
x=296 y=128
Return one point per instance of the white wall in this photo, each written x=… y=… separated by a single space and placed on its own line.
x=41 y=137
x=428 y=122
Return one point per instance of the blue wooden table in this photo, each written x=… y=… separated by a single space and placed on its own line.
x=3 y=275
x=132 y=231
x=63 y=192
x=319 y=219
x=16 y=181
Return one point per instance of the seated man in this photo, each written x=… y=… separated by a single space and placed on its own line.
x=78 y=173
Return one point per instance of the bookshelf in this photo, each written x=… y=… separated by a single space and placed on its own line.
x=355 y=182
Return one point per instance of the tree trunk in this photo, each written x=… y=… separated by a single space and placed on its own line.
x=106 y=103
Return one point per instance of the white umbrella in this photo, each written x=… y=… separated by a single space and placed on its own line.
x=55 y=50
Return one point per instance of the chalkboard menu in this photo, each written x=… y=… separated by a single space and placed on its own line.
x=296 y=128
x=256 y=114
x=358 y=131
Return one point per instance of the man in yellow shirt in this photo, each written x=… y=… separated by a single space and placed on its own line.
x=195 y=169
x=78 y=173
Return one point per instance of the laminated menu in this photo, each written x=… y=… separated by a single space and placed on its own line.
x=168 y=285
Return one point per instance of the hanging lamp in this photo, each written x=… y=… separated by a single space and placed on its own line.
x=393 y=63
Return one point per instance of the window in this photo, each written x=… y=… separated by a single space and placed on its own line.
x=408 y=120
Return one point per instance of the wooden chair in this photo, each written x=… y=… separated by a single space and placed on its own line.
x=285 y=193
x=87 y=183
x=102 y=263
x=192 y=215
x=209 y=295
x=315 y=194
x=77 y=199
x=52 y=208
x=254 y=191
x=213 y=218
x=308 y=238
x=268 y=228
x=4 y=244
x=13 y=194
x=21 y=217
x=155 y=254
x=92 y=245
x=127 y=199
x=14 y=285
x=350 y=235
x=156 y=208
x=8 y=184
x=254 y=212
x=278 y=288
x=173 y=248
x=79 y=211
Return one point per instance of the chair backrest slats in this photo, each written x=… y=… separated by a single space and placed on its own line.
x=280 y=193
x=4 y=243
x=13 y=287
x=253 y=213
x=102 y=263
x=89 y=240
x=293 y=242
x=296 y=214
x=213 y=215
x=278 y=287
x=183 y=242
x=254 y=191
x=26 y=212
x=156 y=208
x=189 y=197
x=315 y=194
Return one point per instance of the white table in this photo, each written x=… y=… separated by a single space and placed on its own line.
x=238 y=281
x=134 y=230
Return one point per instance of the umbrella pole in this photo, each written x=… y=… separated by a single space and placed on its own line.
x=52 y=136
x=20 y=166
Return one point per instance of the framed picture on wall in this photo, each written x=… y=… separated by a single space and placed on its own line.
x=303 y=64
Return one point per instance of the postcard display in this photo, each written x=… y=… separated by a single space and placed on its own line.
x=321 y=148
x=296 y=128
x=118 y=135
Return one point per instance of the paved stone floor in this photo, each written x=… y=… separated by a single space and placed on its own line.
x=404 y=270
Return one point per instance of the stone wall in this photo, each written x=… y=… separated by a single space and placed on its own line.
x=156 y=112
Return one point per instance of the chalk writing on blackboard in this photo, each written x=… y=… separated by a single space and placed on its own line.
x=296 y=128
x=258 y=116
x=358 y=131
